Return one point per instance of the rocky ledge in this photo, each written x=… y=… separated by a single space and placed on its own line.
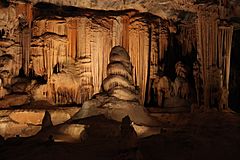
x=28 y=122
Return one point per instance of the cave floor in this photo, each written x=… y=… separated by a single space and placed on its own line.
x=192 y=136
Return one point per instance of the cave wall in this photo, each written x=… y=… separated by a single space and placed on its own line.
x=72 y=52
x=88 y=44
x=214 y=44
x=68 y=48
x=15 y=39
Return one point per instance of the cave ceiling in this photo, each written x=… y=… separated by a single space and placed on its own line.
x=166 y=9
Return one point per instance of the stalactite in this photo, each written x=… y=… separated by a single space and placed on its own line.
x=214 y=48
x=163 y=41
x=154 y=52
x=82 y=46
x=225 y=46
x=125 y=37
x=72 y=37
x=187 y=38
x=24 y=11
x=81 y=37
x=139 y=47
x=26 y=38
x=47 y=51
x=203 y=52
x=117 y=31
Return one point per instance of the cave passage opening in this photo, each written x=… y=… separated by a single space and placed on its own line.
x=167 y=67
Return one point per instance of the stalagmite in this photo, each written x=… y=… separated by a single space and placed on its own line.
x=116 y=84
x=197 y=79
x=76 y=47
x=83 y=39
x=162 y=89
x=124 y=94
x=116 y=80
x=118 y=68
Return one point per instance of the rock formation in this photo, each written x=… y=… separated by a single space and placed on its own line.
x=118 y=97
x=119 y=81
x=181 y=84
x=28 y=122
x=137 y=58
x=62 y=47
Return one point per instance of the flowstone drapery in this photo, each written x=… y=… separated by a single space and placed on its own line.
x=214 y=43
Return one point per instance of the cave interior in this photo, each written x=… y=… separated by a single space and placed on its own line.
x=48 y=41
x=166 y=57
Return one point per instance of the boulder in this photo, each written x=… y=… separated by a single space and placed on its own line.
x=90 y=108
x=34 y=117
x=71 y=111
x=30 y=131
x=58 y=116
x=11 y=129
x=145 y=131
x=76 y=131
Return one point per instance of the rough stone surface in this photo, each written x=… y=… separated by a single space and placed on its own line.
x=23 y=86
x=144 y=131
x=76 y=131
x=14 y=100
x=4 y=119
x=27 y=117
x=59 y=46
x=12 y=129
x=138 y=114
x=4 y=113
x=162 y=8
x=71 y=111
x=116 y=110
x=90 y=108
x=30 y=131
x=28 y=122
x=58 y=117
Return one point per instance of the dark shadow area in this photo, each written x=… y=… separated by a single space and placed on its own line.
x=48 y=10
x=173 y=55
x=2 y=33
x=186 y=138
x=4 y=3
x=41 y=79
x=234 y=83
